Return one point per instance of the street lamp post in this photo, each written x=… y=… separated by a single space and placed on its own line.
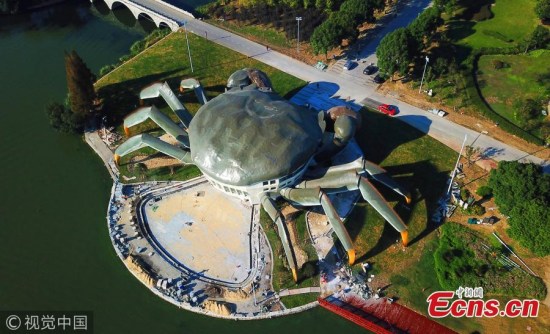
x=188 y=48
x=424 y=72
x=298 y=19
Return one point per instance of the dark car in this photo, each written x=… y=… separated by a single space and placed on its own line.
x=371 y=69
x=387 y=109
x=378 y=79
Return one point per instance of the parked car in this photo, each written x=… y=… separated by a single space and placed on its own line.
x=378 y=79
x=348 y=65
x=438 y=112
x=387 y=109
x=370 y=69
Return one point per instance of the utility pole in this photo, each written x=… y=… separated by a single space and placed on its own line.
x=456 y=166
x=188 y=49
x=298 y=19
x=422 y=81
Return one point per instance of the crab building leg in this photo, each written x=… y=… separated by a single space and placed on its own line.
x=379 y=174
x=162 y=89
x=142 y=114
x=371 y=195
x=315 y=196
x=275 y=215
x=142 y=140
x=338 y=179
x=196 y=86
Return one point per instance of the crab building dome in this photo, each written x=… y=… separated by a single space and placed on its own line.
x=246 y=136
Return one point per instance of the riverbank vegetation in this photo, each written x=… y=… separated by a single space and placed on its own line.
x=77 y=109
x=138 y=46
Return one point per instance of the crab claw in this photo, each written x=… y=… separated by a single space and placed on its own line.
x=405 y=237
x=351 y=256
x=408 y=199
x=294 y=275
x=116 y=158
x=127 y=131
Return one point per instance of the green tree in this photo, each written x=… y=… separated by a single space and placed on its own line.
x=80 y=83
x=542 y=9
x=530 y=225
x=62 y=119
x=525 y=110
x=539 y=39
x=425 y=25
x=513 y=183
x=395 y=51
x=358 y=10
x=324 y=37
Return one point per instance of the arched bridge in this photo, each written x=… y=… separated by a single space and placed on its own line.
x=162 y=14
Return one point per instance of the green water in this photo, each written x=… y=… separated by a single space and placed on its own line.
x=55 y=252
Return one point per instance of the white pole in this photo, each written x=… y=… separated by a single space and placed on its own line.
x=424 y=72
x=298 y=18
x=456 y=166
x=188 y=49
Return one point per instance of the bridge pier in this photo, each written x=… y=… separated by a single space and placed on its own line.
x=138 y=10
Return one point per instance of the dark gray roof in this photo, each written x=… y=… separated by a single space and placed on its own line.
x=246 y=136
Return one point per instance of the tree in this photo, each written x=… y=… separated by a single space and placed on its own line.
x=324 y=37
x=395 y=51
x=513 y=183
x=80 y=83
x=425 y=25
x=63 y=119
x=358 y=10
x=525 y=110
x=538 y=39
x=530 y=225
x=542 y=9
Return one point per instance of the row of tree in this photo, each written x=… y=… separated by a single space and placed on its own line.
x=343 y=24
x=403 y=46
x=71 y=116
x=329 y=5
x=522 y=191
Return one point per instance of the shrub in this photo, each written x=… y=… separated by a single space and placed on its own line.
x=497 y=64
x=484 y=191
x=106 y=69
x=476 y=210
x=137 y=47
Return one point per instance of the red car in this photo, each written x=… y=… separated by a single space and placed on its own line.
x=387 y=109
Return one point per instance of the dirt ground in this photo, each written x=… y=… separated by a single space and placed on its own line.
x=289 y=212
x=463 y=117
x=205 y=230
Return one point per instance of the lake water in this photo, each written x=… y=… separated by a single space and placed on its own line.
x=55 y=252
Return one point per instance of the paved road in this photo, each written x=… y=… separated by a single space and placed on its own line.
x=349 y=88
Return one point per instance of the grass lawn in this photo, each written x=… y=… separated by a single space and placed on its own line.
x=415 y=160
x=282 y=276
x=168 y=61
x=262 y=34
x=512 y=22
x=299 y=300
x=525 y=76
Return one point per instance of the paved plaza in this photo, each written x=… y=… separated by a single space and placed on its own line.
x=203 y=230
